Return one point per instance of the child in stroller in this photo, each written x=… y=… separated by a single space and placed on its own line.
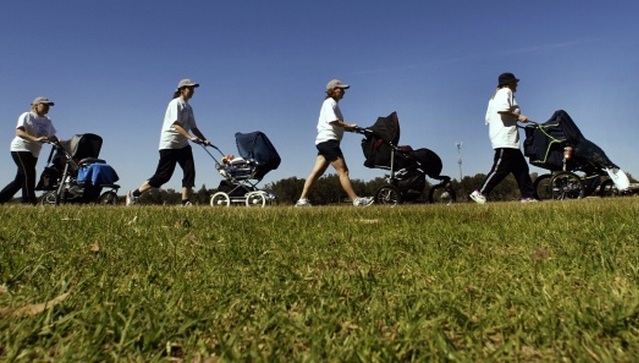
x=578 y=168
x=74 y=174
x=242 y=174
x=408 y=168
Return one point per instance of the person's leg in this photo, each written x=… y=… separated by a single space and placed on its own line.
x=340 y=167
x=521 y=172
x=19 y=181
x=500 y=169
x=318 y=170
x=28 y=189
x=187 y=163
x=163 y=173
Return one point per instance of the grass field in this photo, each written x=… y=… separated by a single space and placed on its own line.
x=548 y=281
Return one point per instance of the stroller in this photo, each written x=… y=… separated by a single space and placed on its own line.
x=408 y=168
x=578 y=168
x=242 y=174
x=74 y=174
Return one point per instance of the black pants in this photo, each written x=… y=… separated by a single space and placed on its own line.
x=25 y=178
x=508 y=161
x=166 y=166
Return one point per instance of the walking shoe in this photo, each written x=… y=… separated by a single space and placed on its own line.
x=363 y=201
x=478 y=197
x=529 y=200
x=187 y=204
x=303 y=202
x=130 y=198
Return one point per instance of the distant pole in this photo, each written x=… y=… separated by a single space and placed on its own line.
x=459 y=159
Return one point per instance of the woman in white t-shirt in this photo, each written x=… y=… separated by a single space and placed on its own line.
x=330 y=130
x=174 y=145
x=34 y=128
x=502 y=116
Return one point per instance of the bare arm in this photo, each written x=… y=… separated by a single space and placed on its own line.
x=20 y=132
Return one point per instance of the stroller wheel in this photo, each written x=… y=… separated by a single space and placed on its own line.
x=220 y=199
x=608 y=189
x=543 y=190
x=388 y=195
x=256 y=199
x=567 y=185
x=108 y=198
x=442 y=194
x=49 y=198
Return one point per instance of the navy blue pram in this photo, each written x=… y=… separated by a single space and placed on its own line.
x=242 y=174
x=577 y=165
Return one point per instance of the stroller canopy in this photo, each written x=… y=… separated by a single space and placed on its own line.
x=384 y=136
x=377 y=146
x=257 y=147
x=544 y=144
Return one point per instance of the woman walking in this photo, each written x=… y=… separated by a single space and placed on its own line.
x=34 y=128
x=174 y=147
x=330 y=129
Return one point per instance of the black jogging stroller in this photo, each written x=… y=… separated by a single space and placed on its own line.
x=75 y=174
x=578 y=168
x=407 y=167
x=242 y=174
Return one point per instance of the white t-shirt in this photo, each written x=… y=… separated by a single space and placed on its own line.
x=502 y=129
x=181 y=112
x=329 y=112
x=33 y=125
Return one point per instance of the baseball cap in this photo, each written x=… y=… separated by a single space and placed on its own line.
x=336 y=83
x=42 y=100
x=187 y=83
x=506 y=78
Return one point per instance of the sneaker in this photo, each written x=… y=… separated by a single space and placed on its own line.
x=529 y=200
x=303 y=202
x=363 y=201
x=478 y=197
x=130 y=198
x=187 y=204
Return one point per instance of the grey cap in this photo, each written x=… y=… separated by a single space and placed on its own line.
x=43 y=100
x=187 y=83
x=336 y=83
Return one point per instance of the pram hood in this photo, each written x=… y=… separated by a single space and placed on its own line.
x=378 y=148
x=257 y=147
x=544 y=144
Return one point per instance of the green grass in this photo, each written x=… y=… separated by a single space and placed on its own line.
x=501 y=282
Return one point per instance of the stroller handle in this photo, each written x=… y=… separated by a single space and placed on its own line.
x=362 y=130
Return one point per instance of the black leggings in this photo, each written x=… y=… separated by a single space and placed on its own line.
x=25 y=178
x=168 y=159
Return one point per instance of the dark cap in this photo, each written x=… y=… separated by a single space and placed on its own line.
x=506 y=78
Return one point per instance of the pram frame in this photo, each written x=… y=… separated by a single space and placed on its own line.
x=391 y=194
x=67 y=182
x=253 y=197
x=566 y=183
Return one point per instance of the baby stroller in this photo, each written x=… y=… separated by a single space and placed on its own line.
x=242 y=174
x=408 y=168
x=578 y=168
x=74 y=174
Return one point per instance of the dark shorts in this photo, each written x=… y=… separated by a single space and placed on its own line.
x=169 y=158
x=330 y=150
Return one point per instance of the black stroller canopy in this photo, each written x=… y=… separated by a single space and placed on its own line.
x=544 y=144
x=258 y=147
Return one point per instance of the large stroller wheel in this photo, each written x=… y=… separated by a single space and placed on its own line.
x=50 y=198
x=220 y=199
x=567 y=185
x=388 y=195
x=608 y=189
x=442 y=193
x=108 y=198
x=543 y=191
x=256 y=199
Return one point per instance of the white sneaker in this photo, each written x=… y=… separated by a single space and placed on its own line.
x=130 y=198
x=303 y=202
x=478 y=197
x=363 y=201
x=529 y=200
x=187 y=204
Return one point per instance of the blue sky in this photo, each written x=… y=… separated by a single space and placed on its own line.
x=111 y=67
